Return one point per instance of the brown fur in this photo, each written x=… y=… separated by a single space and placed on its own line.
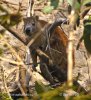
x=58 y=56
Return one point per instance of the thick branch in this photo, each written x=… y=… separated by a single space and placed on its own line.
x=17 y=34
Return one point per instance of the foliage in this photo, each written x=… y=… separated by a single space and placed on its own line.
x=7 y=18
x=4 y=96
x=87 y=34
x=11 y=19
x=47 y=9
x=82 y=97
x=40 y=87
x=48 y=93
x=53 y=5
x=1 y=51
x=77 y=6
x=84 y=2
x=20 y=99
x=80 y=8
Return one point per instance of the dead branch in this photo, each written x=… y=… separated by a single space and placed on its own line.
x=8 y=2
x=23 y=75
x=78 y=45
x=23 y=91
x=70 y=49
x=11 y=72
x=37 y=35
x=70 y=59
x=11 y=61
x=24 y=39
x=85 y=12
x=4 y=82
x=22 y=68
x=17 y=34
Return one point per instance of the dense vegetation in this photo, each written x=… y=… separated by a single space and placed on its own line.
x=78 y=13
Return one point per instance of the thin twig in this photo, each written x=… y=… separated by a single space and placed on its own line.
x=22 y=90
x=37 y=35
x=19 y=59
x=17 y=34
x=70 y=50
x=11 y=72
x=11 y=61
x=4 y=82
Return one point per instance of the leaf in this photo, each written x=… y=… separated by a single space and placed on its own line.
x=1 y=51
x=82 y=97
x=3 y=9
x=10 y=19
x=47 y=9
x=58 y=98
x=84 y=2
x=15 y=18
x=77 y=5
x=4 y=96
x=39 y=87
x=70 y=2
x=87 y=35
x=54 y=3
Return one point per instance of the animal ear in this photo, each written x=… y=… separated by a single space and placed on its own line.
x=37 y=18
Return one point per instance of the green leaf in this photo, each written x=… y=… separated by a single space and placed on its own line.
x=58 y=98
x=1 y=51
x=54 y=3
x=20 y=99
x=77 y=5
x=39 y=87
x=4 y=18
x=4 y=96
x=70 y=2
x=10 y=19
x=87 y=35
x=47 y=9
x=82 y=97
x=84 y=2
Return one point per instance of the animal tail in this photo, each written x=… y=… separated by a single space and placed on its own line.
x=56 y=23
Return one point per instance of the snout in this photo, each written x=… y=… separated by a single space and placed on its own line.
x=28 y=30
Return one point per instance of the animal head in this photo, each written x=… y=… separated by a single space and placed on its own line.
x=30 y=25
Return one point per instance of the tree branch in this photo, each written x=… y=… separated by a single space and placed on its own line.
x=17 y=34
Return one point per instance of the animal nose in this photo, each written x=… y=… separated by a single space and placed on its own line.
x=28 y=30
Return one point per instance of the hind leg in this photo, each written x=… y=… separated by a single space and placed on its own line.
x=46 y=74
x=60 y=74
